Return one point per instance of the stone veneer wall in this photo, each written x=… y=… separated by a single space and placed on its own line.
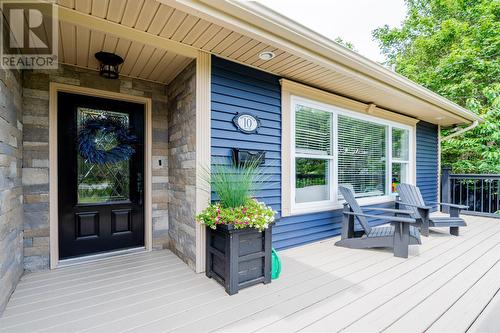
x=11 y=191
x=181 y=155
x=36 y=153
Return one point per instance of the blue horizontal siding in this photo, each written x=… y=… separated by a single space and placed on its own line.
x=237 y=88
x=302 y=229
x=427 y=160
x=224 y=109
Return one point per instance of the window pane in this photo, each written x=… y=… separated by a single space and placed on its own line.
x=399 y=175
x=400 y=144
x=362 y=156
x=102 y=182
x=311 y=180
x=313 y=131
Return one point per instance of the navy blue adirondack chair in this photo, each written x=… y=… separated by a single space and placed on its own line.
x=399 y=235
x=411 y=198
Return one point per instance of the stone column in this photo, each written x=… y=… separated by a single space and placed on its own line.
x=11 y=191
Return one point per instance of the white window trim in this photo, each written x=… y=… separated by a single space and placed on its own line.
x=317 y=205
x=293 y=208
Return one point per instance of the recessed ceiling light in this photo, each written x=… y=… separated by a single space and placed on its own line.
x=266 y=55
x=439 y=118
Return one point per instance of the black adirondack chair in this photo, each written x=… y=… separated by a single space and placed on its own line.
x=399 y=235
x=411 y=199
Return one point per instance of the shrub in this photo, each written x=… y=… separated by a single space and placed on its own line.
x=252 y=214
x=234 y=187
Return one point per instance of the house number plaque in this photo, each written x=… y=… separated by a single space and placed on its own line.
x=246 y=123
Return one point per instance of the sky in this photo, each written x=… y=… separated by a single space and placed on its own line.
x=352 y=20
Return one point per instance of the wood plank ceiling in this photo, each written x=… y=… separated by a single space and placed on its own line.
x=78 y=45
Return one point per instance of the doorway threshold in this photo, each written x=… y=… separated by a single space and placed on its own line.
x=99 y=256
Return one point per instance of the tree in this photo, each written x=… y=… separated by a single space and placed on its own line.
x=345 y=43
x=453 y=48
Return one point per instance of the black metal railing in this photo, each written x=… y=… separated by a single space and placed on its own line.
x=481 y=193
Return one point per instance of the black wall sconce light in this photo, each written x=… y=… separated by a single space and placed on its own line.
x=109 y=64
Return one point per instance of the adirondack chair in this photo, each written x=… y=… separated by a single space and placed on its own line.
x=411 y=198
x=399 y=235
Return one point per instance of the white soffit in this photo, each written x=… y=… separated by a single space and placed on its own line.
x=156 y=37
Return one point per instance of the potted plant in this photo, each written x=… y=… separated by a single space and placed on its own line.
x=238 y=233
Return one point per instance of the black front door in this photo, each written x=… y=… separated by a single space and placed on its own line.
x=101 y=172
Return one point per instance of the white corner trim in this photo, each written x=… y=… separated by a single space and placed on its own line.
x=203 y=148
x=53 y=162
x=413 y=180
x=286 y=151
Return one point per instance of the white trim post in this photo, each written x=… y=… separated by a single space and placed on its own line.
x=203 y=148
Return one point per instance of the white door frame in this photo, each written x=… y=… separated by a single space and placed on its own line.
x=55 y=88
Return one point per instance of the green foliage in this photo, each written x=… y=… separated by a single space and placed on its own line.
x=345 y=43
x=252 y=214
x=452 y=47
x=310 y=172
x=477 y=151
x=234 y=185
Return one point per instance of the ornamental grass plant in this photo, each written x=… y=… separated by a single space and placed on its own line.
x=233 y=187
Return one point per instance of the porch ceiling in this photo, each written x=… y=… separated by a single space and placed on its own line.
x=78 y=44
x=188 y=26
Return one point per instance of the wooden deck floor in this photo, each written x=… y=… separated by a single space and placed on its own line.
x=447 y=284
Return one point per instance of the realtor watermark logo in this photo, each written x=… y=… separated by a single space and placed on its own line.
x=29 y=35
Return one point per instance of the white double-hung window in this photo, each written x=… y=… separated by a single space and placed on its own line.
x=400 y=139
x=333 y=146
x=313 y=154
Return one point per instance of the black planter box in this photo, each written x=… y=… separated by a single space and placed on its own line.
x=238 y=258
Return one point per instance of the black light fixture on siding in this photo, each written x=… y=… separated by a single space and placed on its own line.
x=109 y=64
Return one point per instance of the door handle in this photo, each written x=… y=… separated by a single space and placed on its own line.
x=140 y=187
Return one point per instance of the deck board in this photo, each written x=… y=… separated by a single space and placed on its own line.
x=469 y=306
x=447 y=284
x=488 y=320
x=349 y=304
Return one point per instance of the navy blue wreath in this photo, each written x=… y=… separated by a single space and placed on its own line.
x=87 y=146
